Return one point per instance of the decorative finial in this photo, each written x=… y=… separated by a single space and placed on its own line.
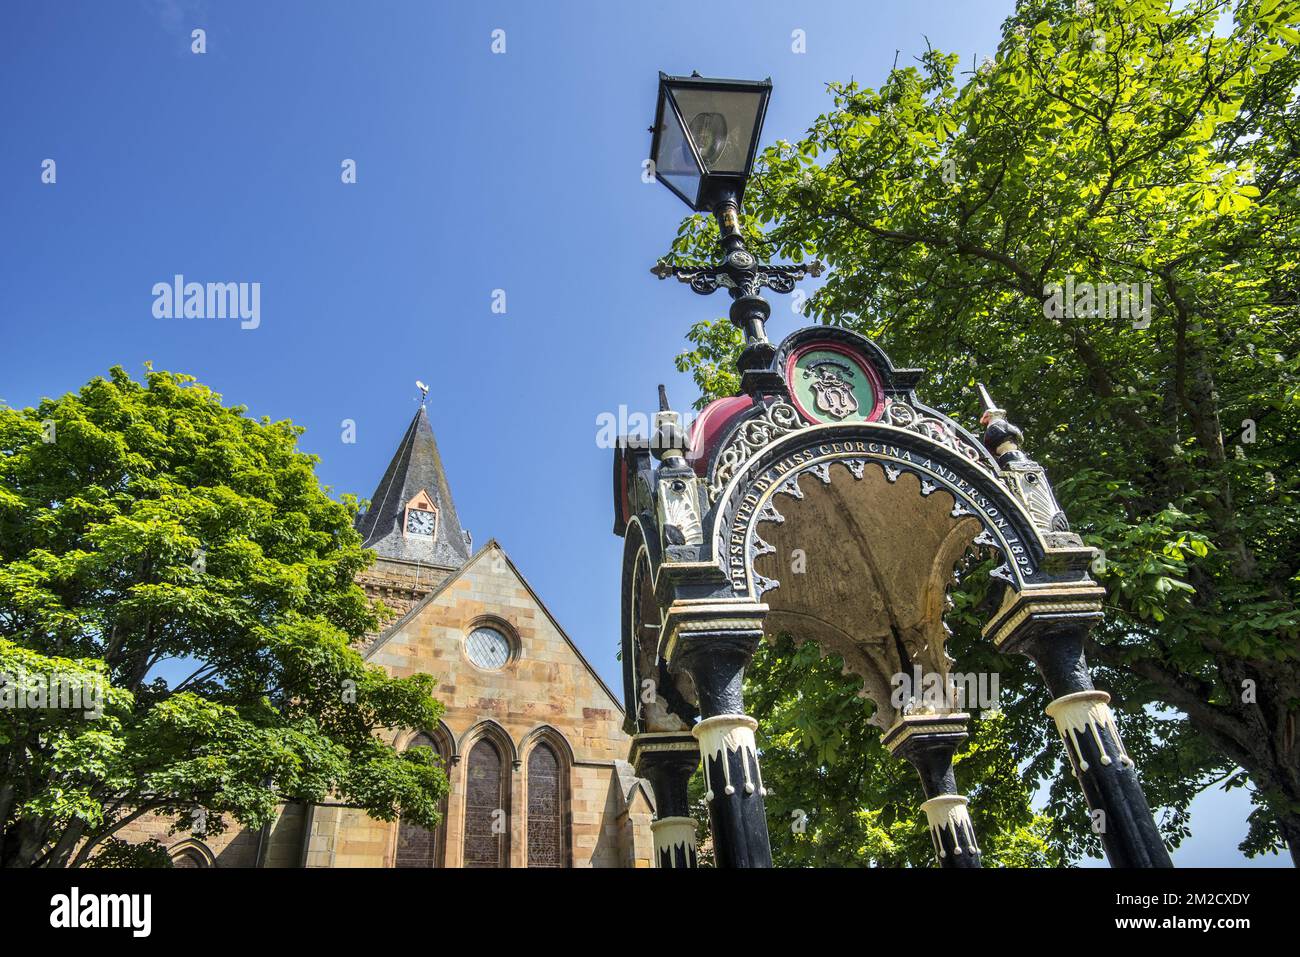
x=991 y=411
x=668 y=441
x=1001 y=437
x=424 y=392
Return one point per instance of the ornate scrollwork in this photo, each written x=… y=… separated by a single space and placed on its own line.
x=680 y=512
x=778 y=419
x=743 y=275
x=902 y=415
x=1028 y=480
x=782 y=278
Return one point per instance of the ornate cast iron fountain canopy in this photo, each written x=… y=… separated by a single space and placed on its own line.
x=826 y=501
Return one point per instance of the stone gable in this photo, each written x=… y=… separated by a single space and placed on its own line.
x=547 y=681
x=545 y=692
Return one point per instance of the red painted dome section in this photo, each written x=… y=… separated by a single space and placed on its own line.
x=711 y=427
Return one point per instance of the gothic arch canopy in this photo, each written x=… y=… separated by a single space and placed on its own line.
x=829 y=452
x=850 y=534
x=834 y=503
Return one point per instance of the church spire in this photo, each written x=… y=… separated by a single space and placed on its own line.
x=411 y=515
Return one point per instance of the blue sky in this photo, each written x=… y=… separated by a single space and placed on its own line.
x=476 y=172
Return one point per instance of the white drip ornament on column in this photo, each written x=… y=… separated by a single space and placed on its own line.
x=948 y=812
x=671 y=834
x=721 y=735
x=1087 y=711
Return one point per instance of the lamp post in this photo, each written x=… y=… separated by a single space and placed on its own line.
x=705 y=139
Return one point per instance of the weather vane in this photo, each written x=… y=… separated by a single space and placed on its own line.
x=424 y=391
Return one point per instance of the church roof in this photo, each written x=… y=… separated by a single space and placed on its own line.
x=416 y=468
x=395 y=626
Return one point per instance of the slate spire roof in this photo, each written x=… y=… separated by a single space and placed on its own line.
x=416 y=467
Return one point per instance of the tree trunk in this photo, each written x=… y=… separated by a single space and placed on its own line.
x=1290 y=824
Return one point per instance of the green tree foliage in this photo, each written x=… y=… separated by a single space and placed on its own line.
x=148 y=523
x=1110 y=142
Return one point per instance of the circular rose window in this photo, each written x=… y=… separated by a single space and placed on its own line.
x=488 y=648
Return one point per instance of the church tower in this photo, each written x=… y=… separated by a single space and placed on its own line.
x=411 y=524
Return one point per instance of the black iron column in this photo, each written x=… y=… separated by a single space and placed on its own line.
x=715 y=652
x=667 y=761
x=1051 y=631
x=1050 y=625
x=929 y=743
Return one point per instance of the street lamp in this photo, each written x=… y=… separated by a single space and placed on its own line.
x=705 y=139
x=705 y=136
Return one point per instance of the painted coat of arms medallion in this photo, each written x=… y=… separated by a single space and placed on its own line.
x=831 y=384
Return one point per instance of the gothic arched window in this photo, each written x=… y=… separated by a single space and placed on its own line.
x=192 y=853
x=418 y=846
x=487 y=807
x=546 y=831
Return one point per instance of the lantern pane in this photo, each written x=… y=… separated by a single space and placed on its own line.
x=722 y=125
x=674 y=161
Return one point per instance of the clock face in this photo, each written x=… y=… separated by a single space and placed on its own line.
x=419 y=522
